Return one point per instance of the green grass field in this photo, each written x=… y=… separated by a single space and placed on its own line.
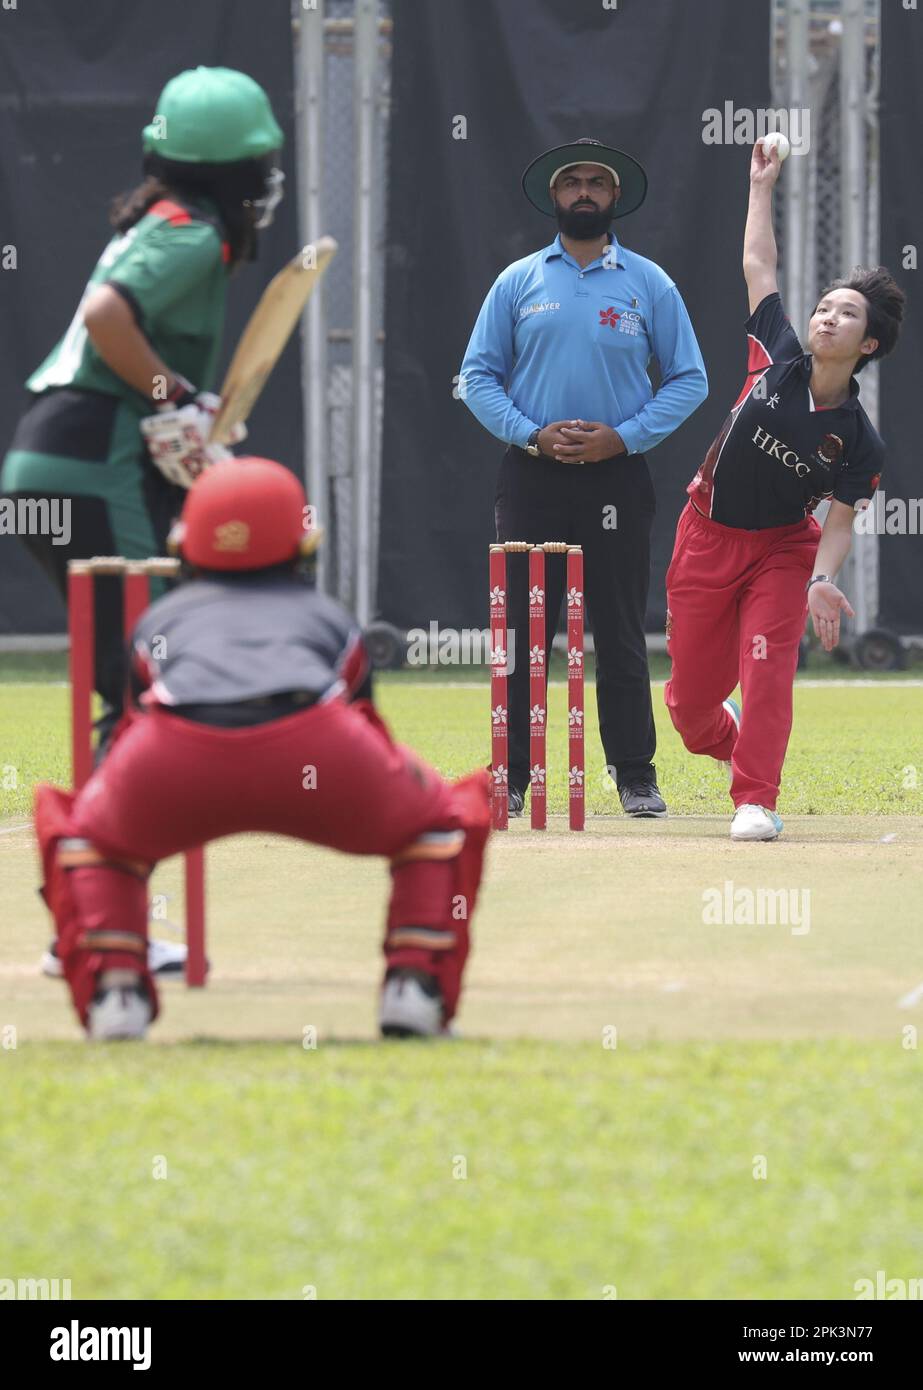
x=463 y=1171
x=628 y=1069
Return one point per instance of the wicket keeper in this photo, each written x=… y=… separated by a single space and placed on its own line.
x=253 y=711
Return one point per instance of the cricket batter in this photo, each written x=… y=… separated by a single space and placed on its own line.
x=147 y=328
x=146 y=337
x=750 y=559
x=253 y=712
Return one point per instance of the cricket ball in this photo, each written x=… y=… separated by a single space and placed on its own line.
x=777 y=141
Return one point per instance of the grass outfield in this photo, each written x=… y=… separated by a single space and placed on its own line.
x=856 y=749
x=463 y=1171
x=227 y=1160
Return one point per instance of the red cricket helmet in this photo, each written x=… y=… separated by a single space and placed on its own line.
x=244 y=514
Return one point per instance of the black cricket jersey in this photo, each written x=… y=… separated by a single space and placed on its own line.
x=777 y=455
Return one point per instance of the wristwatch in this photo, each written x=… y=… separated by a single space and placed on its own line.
x=818 y=579
x=532 y=444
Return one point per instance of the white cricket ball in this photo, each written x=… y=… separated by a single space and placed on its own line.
x=777 y=141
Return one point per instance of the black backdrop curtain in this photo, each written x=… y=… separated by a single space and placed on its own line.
x=901 y=556
x=78 y=82
x=527 y=75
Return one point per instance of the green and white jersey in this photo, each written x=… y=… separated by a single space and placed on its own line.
x=171 y=267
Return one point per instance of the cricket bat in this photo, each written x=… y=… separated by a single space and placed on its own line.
x=268 y=330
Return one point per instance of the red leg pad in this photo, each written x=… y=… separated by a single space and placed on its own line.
x=94 y=906
x=432 y=900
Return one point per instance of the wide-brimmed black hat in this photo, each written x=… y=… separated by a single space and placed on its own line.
x=628 y=174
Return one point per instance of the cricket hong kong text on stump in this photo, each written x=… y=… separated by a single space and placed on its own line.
x=135 y=576
x=538 y=704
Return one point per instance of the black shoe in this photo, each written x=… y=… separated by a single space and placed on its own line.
x=640 y=796
x=516 y=802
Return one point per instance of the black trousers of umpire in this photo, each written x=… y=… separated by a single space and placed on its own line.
x=607 y=508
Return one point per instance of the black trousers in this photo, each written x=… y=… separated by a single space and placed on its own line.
x=92 y=534
x=607 y=508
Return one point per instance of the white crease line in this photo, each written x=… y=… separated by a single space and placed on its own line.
x=12 y=829
x=911 y=1000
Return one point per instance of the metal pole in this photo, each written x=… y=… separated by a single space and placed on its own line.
x=365 y=70
x=870 y=552
x=308 y=25
x=852 y=119
x=798 y=47
x=861 y=571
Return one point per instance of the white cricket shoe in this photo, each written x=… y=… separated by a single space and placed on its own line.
x=121 y=1009
x=411 y=1005
x=733 y=709
x=166 y=957
x=163 y=958
x=755 y=823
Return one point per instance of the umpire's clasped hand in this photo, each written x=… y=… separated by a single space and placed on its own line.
x=583 y=441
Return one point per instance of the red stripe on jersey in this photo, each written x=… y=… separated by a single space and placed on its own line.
x=178 y=217
x=758 y=359
x=171 y=212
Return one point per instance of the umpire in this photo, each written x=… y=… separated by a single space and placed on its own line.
x=557 y=368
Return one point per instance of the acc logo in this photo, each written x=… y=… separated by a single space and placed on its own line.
x=630 y=322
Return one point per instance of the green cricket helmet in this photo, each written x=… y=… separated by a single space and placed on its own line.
x=212 y=116
x=214 y=131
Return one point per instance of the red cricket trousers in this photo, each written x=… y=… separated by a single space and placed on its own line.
x=736 y=607
x=330 y=775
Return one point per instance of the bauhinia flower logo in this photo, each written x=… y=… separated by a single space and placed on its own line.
x=497 y=656
x=498 y=716
x=574 y=656
x=536 y=715
x=536 y=596
x=537 y=775
x=575 y=717
x=537 y=656
x=500 y=775
x=608 y=318
x=497 y=596
x=574 y=598
x=576 y=777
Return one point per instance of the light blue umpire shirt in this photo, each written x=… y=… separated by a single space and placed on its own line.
x=555 y=341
